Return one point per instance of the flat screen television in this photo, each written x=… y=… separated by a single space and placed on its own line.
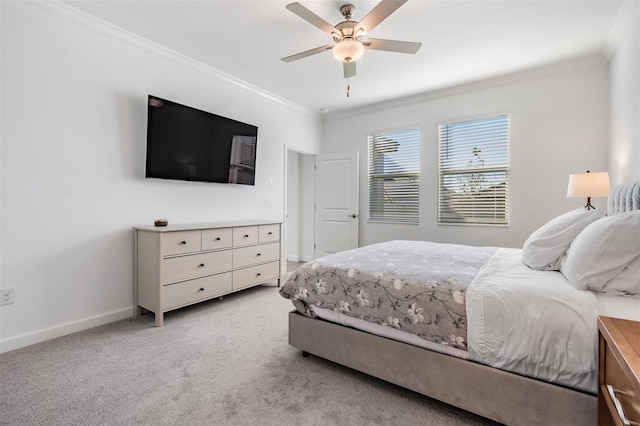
x=185 y=143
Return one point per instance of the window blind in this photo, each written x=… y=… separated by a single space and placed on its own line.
x=394 y=176
x=474 y=171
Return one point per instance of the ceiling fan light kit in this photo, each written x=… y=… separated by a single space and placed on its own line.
x=348 y=50
x=348 y=35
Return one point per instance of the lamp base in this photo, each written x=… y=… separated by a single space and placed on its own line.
x=589 y=206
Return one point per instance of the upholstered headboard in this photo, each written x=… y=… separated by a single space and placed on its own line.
x=624 y=198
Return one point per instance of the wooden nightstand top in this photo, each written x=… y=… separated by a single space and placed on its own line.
x=623 y=337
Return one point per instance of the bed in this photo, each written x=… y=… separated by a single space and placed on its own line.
x=456 y=323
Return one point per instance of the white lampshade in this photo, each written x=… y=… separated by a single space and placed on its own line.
x=348 y=50
x=589 y=185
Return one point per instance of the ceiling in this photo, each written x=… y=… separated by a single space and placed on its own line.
x=462 y=41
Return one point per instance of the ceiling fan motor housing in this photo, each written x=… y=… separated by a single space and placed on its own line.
x=346 y=29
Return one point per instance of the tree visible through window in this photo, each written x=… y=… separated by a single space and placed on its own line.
x=394 y=176
x=474 y=171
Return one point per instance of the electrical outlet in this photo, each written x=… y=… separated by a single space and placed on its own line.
x=7 y=296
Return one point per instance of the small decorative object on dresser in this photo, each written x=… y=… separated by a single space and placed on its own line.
x=619 y=372
x=179 y=265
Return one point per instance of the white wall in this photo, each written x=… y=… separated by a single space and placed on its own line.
x=73 y=152
x=559 y=125
x=624 y=156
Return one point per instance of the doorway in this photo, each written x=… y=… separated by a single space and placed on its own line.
x=299 y=208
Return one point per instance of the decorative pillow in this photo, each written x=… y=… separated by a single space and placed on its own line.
x=546 y=246
x=604 y=257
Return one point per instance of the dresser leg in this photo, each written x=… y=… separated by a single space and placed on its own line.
x=159 y=319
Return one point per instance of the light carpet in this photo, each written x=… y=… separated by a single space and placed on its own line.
x=215 y=363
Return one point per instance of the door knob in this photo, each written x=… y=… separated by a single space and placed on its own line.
x=352 y=215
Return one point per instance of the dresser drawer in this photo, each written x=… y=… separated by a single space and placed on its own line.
x=245 y=235
x=625 y=392
x=181 y=242
x=255 y=274
x=194 y=266
x=187 y=292
x=246 y=256
x=268 y=233
x=217 y=238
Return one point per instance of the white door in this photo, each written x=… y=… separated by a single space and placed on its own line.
x=336 y=202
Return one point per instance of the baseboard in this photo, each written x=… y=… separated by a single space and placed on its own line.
x=45 y=334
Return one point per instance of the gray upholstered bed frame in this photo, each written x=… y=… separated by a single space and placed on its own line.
x=498 y=395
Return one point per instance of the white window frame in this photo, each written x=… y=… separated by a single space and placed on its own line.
x=473 y=186
x=405 y=209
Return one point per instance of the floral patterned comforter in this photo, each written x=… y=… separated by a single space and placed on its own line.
x=416 y=286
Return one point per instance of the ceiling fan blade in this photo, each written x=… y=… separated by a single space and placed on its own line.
x=349 y=69
x=311 y=17
x=392 y=45
x=378 y=14
x=307 y=53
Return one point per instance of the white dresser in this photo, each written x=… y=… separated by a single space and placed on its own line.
x=179 y=265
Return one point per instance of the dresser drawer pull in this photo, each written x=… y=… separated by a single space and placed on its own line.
x=217 y=238
x=246 y=236
x=258 y=274
x=259 y=254
x=269 y=233
x=618 y=405
x=200 y=289
x=183 y=242
x=202 y=265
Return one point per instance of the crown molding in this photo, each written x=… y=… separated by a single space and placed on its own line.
x=518 y=76
x=107 y=28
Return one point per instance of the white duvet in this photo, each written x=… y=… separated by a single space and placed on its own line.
x=532 y=323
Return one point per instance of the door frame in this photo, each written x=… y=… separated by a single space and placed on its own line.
x=285 y=233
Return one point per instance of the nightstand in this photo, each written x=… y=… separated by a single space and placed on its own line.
x=619 y=372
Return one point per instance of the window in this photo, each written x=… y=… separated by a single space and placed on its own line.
x=474 y=171
x=394 y=176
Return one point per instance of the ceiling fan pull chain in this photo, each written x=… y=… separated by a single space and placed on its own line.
x=348 y=87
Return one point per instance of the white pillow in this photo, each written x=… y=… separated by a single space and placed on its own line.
x=546 y=246
x=627 y=281
x=604 y=257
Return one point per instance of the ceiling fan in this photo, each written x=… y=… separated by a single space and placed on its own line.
x=348 y=35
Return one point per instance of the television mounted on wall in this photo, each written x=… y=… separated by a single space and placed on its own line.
x=185 y=143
